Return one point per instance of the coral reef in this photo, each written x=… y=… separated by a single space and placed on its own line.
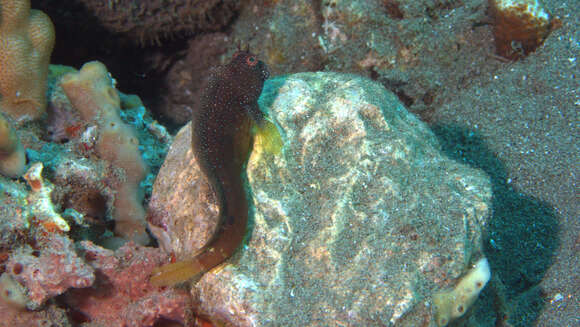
x=519 y=27
x=92 y=92
x=148 y=22
x=102 y=287
x=359 y=220
x=73 y=200
x=49 y=271
x=121 y=295
x=85 y=182
x=80 y=186
x=88 y=149
x=12 y=157
x=26 y=42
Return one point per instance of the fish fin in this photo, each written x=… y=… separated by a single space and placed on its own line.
x=267 y=138
x=175 y=273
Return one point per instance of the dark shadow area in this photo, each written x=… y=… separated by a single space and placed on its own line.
x=520 y=239
x=137 y=69
x=167 y=323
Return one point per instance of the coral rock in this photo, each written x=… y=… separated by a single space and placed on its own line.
x=356 y=224
x=26 y=42
x=56 y=269
x=148 y=22
x=52 y=315
x=122 y=295
x=520 y=26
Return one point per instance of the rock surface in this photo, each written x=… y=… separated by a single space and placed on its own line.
x=357 y=223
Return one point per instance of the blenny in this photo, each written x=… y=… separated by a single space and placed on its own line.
x=222 y=138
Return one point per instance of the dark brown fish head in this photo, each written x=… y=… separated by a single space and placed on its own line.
x=248 y=74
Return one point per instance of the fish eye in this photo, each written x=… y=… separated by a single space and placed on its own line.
x=251 y=61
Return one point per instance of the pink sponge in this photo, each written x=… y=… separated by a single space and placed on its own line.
x=92 y=92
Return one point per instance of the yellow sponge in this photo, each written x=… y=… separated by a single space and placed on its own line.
x=452 y=304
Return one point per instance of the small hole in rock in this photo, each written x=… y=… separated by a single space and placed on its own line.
x=17 y=268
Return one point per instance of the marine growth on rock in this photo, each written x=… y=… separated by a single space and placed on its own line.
x=149 y=22
x=519 y=26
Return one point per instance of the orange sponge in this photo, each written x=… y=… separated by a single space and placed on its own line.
x=91 y=91
x=520 y=26
x=26 y=42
